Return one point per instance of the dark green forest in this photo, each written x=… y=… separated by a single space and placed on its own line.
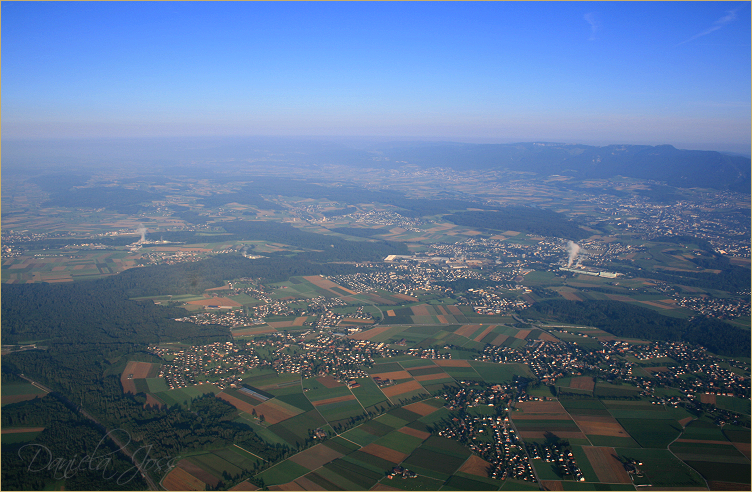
x=626 y=320
x=529 y=220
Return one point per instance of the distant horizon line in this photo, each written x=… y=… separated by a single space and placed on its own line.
x=744 y=149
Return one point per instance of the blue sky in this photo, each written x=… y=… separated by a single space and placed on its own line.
x=576 y=72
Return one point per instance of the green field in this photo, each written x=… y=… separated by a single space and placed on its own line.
x=652 y=433
x=738 y=405
x=368 y=393
x=500 y=373
x=13 y=389
x=283 y=472
x=661 y=468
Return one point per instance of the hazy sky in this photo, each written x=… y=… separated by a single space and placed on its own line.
x=576 y=72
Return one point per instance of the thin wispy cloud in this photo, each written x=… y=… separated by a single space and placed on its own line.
x=729 y=17
x=595 y=26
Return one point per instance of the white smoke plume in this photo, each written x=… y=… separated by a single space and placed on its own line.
x=573 y=249
x=141 y=230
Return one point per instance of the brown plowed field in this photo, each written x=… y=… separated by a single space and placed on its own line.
x=420 y=408
x=333 y=400
x=442 y=319
x=715 y=485
x=658 y=304
x=179 y=479
x=570 y=296
x=368 y=334
x=454 y=310
x=484 y=333
x=328 y=382
x=600 y=425
x=404 y=297
x=238 y=403
x=466 y=330
x=545 y=336
x=401 y=388
x=244 y=485
x=20 y=430
x=353 y=320
x=380 y=300
x=686 y=421
x=198 y=472
x=315 y=457
x=415 y=433
x=540 y=416
x=583 y=383
x=499 y=340
x=299 y=320
x=285 y=486
x=421 y=310
x=381 y=486
x=522 y=334
x=281 y=324
x=703 y=441
x=390 y=312
x=707 y=398
x=441 y=310
x=656 y=369
x=140 y=370
x=607 y=466
x=306 y=484
x=548 y=406
x=392 y=375
x=260 y=330
x=215 y=301
x=475 y=465
x=129 y=386
x=617 y=297
x=326 y=284
x=558 y=433
x=384 y=453
x=151 y=400
x=552 y=485
x=743 y=447
x=272 y=413
x=451 y=363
